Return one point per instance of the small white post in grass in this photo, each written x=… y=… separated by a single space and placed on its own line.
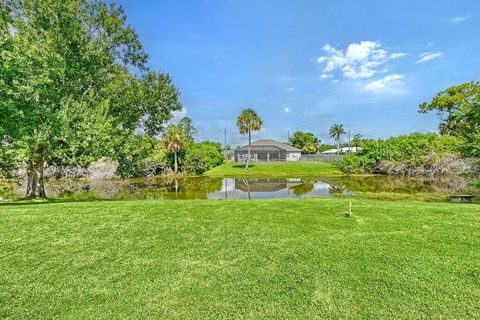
x=348 y=214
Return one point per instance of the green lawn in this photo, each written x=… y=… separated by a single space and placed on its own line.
x=277 y=259
x=277 y=169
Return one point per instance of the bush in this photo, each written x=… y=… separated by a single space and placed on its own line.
x=201 y=157
x=309 y=148
x=132 y=154
x=351 y=163
x=410 y=154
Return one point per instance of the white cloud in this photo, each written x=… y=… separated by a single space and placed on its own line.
x=321 y=59
x=287 y=109
x=290 y=89
x=427 y=56
x=358 y=61
x=386 y=83
x=397 y=55
x=460 y=19
x=178 y=115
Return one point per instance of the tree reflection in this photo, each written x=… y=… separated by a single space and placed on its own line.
x=302 y=189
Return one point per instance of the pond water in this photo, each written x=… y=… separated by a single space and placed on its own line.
x=243 y=188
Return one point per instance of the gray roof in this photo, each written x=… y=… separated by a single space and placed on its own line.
x=272 y=143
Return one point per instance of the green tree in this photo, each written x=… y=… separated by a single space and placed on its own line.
x=357 y=141
x=300 y=139
x=74 y=83
x=415 y=152
x=336 y=132
x=202 y=156
x=310 y=148
x=249 y=121
x=132 y=154
x=175 y=140
x=186 y=124
x=459 y=110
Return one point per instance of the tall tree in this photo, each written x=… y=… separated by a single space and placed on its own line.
x=175 y=140
x=301 y=139
x=336 y=132
x=186 y=124
x=249 y=121
x=357 y=141
x=458 y=108
x=74 y=82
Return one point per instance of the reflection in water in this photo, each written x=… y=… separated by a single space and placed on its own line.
x=229 y=188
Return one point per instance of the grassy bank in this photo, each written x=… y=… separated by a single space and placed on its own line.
x=251 y=259
x=276 y=169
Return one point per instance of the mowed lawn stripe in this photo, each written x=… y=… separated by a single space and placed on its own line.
x=228 y=259
x=275 y=169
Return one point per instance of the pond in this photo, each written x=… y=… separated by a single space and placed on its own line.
x=247 y=188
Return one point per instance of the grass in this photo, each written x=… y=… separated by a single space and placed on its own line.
x=277 y=169
x=263 y=259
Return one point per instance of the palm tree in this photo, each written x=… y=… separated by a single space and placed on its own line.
x=357 y=141
x=336 y=132
x=249 y=121
x=174 y=140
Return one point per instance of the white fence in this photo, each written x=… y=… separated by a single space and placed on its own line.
x=320 y=157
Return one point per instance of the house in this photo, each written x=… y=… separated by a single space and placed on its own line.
x=342 y=150
x=267 y=150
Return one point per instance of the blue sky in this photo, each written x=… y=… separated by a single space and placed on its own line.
x=304 y=65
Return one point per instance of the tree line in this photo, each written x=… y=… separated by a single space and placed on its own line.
x=75 y=86
x=458 y=109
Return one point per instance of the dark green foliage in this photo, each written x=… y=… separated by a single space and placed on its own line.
x=305 y=141
x=74 y=83
x=133 y=153
x=459 y=109
x=169 y=158
x=355 y=163
x=9 y=158
x=195 y=158
x=201 y=157
x=186 y=124
x=410 y=151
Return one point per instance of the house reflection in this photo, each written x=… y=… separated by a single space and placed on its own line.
x=266 y=185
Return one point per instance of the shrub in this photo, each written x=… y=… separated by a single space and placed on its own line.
x=309 y=148
x=351 y=163
x=409 y=154
x=201 y=157
x=132 y=154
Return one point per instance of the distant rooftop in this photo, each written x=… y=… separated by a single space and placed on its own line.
x=273 y=143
